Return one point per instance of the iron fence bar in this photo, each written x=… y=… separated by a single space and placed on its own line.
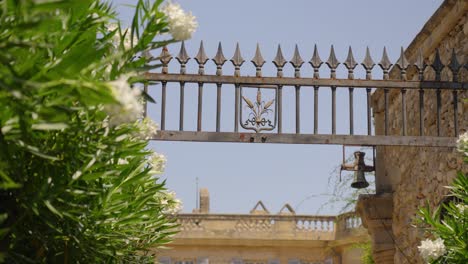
x=218 y=106
x=280 y=109
x=386 y=110
x=333 y=90
x=292 y=138
x=298 y=109
x=316 y=90
x=421 y=112
x=163 y=106
x=438 y=93
x=181 y=109
x=351 y=110
x=369 y=120
x=236 y=108
x=291 y=81
x=455 y=112
x=200 y=106
x=403 y=111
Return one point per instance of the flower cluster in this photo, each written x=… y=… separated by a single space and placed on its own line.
x=146 y=128
x=431 y=250
x=157 y=163
x=128 y=41
x=462 y=143
x=462 y=208
x=171 y=203
x=181 y=24
x=128 y=109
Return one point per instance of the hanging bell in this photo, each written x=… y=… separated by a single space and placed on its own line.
x=359 y=180
x=359 y=168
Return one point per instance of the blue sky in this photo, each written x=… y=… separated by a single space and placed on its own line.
x=238 y=175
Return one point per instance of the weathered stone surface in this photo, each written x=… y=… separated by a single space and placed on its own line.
x=416 y=175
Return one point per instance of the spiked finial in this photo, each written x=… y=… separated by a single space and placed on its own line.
x=258 y=61
x=385 y=64
x=182 y=57
x=219 y=60
x=402 y=63
x=201 y=59
x=368 y=64
x=279 y=62
x=297 y=62
x=420 y=64
x=165 y=57
x=237 y=60
x=332 y=63
x=350 y=63
x=437 y=65
x=454 y=66
x=316 y=62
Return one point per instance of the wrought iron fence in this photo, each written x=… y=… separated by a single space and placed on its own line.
x=265 y=117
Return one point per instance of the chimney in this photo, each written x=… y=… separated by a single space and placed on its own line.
x=204 y=202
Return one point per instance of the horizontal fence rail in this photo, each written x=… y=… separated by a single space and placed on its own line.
x=259 y=120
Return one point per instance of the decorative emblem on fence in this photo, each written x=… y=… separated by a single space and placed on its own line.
x=260 y=111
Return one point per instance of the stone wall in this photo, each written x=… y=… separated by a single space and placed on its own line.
x=418 y=175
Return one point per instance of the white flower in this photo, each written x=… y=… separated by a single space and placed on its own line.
x=171 y=205
x=181 y=25
x=116 y=39
x=431 y=250
x=462 y=208
x=462 y=143
x=146 y=128
x=157 y=163
x=128 y=109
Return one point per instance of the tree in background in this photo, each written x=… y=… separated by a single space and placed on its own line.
x=77 y=181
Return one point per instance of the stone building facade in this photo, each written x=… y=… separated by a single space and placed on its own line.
x=264 y=238
x=409 y=177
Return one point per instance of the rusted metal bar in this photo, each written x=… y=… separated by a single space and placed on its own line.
x=421 y=112
x=333 y=90
x=280 y=109
x=316 y=91
x=287 y=138
x=236 y=108
x=163 y=106
x=369 y=120
x=351 y=111
x=386 y=110
x=439 y=105
x=218 y=106
x=181 y=109
x=200 y=106
x=298 y=109
x=403 y=111
x=289 y=81
x=455 y=112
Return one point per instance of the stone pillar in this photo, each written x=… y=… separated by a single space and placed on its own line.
x=376 y=211
x=204 y=201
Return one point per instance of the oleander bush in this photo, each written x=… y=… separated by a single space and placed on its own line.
x=78 y=183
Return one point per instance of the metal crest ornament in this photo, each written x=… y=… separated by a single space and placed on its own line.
x=350 y=63
x=332 y=63
x=219 y=60
x=385 y=64
x=259 y=110
x=368 y=64
x=316 y=62
x=297 y=62
x=183 y=58
x=279 y=62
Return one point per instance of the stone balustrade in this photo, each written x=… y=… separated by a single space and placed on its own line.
x=270 y=227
